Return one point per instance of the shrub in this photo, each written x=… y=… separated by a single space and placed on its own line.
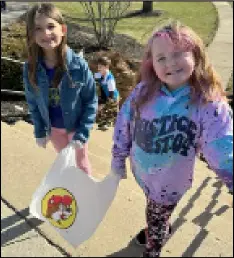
x=11 y=75
x=13 y=46
x=14 y=41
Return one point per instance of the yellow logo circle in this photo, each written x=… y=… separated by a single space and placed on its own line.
x=59 y=207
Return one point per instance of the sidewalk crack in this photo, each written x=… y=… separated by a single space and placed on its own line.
x=39 y=231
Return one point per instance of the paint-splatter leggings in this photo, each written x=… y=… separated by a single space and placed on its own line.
x=158 y=227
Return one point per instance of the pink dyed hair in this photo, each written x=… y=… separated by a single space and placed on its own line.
x=204 y=81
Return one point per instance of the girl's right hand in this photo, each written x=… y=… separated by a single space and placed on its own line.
x=117 y=175
x=41 y=142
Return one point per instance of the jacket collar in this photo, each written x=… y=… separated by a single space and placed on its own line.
x=71 y=60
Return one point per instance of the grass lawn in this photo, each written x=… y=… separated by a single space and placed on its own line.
x=201 y=16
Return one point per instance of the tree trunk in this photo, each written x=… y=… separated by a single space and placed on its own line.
x=147 y=6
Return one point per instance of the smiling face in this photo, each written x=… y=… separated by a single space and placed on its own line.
x=173 y=65
x=102 y=69
x=48 y=32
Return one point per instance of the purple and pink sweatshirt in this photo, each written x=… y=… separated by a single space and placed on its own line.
x=163 y=142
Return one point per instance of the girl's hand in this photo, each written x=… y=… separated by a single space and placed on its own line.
x=231 y=193
x=118 y=175
x=77 y=144
x=41 y=142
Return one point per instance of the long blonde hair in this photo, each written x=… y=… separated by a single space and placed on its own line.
x=204 y=81
x=35 y=51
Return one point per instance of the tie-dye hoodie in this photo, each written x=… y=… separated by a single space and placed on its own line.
x=163 y=142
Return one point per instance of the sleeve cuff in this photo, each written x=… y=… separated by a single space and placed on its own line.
x=122 y=173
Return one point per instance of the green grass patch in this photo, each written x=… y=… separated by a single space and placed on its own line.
x=190 y=13
x=201 y=16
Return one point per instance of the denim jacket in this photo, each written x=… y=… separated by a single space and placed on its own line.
x=78 y=102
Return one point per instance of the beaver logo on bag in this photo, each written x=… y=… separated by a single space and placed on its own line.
x=59 y=207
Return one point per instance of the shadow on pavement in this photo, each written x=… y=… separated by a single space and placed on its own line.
x=16 y=226
x=131 y=250
x=202 y=219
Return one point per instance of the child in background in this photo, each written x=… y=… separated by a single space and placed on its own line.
x=109 y=94
x=178 y=110
x=59 y=87
x=108 y=90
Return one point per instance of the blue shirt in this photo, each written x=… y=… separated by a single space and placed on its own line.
x=55 y=111
x=108 y=84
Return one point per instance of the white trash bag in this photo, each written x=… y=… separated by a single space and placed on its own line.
x=71 y=201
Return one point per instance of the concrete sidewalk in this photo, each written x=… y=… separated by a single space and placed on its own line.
x=14 y=10
x=18 y=239
x=202 y=222
x=221 y=49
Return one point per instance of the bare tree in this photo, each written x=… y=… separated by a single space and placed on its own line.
x=104 y=17
x=147 y=7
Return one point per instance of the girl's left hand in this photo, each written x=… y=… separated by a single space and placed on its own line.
x=77 y=144
x=231 y=193
x=42 y=142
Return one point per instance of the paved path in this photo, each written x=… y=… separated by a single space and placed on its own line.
x=221 y=49
x=202 y=222
x=14 y=10
x=18 y=239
